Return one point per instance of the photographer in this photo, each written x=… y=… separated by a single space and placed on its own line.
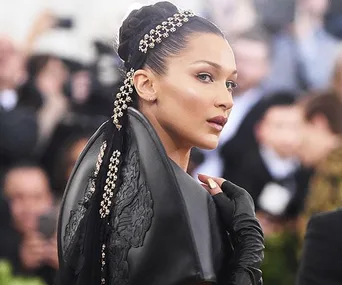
x=31 y=242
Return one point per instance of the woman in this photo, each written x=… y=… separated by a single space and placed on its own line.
x=142 y=219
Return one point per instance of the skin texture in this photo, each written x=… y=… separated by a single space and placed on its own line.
x=179 y=102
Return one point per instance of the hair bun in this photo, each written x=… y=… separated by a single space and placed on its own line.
x=134 y=26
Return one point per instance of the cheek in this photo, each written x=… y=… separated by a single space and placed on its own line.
x=185 y=105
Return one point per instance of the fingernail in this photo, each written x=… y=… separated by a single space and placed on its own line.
x=212 y=183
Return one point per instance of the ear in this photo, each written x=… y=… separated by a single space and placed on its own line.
x=321 y=122
x=144 y=83
x=258 y=130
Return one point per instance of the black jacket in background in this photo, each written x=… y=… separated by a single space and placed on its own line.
x=254 y=176
x=233 y=151
x=321 y=262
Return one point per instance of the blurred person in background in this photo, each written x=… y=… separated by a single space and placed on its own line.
x=18 y=125
x=252 y=59
x=321 y=149
x=304 y=54
x=333 y=18
x=12 y=72
x=322 y=255
x=44 y=92
x=278 y=184
x=32 y=246
x=225 y=12
x=72 y=126
x=336 y=82
x=66 y=159
x=271 y=173
x=275 y=15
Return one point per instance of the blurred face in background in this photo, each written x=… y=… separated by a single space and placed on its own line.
x=226 y=12
x=312 y=133
x=252 y=63
x=278 y=130
x=315 y=8
x=28 y=193
x=12 y=71
x=52 y=77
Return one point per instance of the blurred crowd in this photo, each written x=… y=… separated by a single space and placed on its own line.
x=282 y=143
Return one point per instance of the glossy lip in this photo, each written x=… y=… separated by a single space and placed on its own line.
x=218 y=120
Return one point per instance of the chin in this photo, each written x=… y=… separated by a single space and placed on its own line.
x=208 y=144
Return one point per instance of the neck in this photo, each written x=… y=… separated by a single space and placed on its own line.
x=178 y=153
x=180 y=156
x=307 y=24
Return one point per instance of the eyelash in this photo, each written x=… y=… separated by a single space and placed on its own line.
x=229 y=84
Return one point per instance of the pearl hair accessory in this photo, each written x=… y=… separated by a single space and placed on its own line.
x=123 y=98
x=112 y=176
x=155 y=36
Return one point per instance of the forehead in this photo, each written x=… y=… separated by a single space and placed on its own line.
x=251 y=48
x=26 y=181
x=207 y=47
x=285 y=113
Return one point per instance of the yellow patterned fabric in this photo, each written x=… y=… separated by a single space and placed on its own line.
x=325 y=188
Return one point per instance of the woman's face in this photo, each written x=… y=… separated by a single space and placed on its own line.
x=194 y=96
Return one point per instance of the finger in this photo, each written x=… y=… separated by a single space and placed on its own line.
x=212 y=187
x=205 y=186
x=213 y=191
x=204 y=178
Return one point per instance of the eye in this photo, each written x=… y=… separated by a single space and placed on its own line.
x=205 y=77
x=231 y=85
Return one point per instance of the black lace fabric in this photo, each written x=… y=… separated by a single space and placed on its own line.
x=130 y=219
x=74 y=222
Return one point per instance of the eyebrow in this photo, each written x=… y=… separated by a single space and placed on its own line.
x=214 y=64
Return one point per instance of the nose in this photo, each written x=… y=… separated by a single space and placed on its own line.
x=224 y=99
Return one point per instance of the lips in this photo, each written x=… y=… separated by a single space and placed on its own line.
x=219 y=120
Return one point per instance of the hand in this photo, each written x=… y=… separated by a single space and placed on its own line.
x=32 y=251
x=236 y=208
x=212 y=184
x=43 y=22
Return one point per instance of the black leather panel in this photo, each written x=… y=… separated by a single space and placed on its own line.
x=184 y=243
